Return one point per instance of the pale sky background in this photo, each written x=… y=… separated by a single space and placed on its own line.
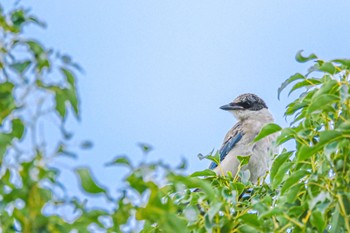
x=157 y=71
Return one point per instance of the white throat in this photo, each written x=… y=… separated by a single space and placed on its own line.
x=262 y=115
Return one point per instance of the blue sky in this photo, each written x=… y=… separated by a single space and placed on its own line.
x=157 y=71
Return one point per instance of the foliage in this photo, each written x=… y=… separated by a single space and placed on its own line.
x=37 y=88
x=308 y=189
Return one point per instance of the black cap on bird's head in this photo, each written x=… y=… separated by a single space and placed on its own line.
x=245 y=102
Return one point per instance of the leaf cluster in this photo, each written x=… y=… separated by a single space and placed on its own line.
x=308 y=188
x=37 y=85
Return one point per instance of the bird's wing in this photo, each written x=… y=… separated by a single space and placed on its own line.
x=227 y=147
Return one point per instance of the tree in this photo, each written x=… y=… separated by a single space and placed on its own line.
x=36 y=85
x=308 y=190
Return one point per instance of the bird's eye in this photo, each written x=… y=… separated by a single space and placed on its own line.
x=245 y=104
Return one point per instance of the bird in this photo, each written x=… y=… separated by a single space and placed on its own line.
x=252 y=114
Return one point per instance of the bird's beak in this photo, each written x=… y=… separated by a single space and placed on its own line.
x=231 y=106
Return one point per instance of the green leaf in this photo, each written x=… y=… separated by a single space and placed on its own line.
x=17 y=128
x=39 y=53
x=137 y=183
x=62 y=151
x=60 y=107
x=322 y=102
x=238 y=187
x=215 y=158
x=267 y=130
x=173 y=223
x=214 y=209
x=38 y=22
x=87 y=181
x=71 y=93
x=288 y=81
x=208 y=224
x=194 y=182
x=69 y=76
x=21 y=67
x=300 y=58
x=7 y=100
x=306 y=83
x=182 y=165
x=246 y=229
x=293 y=179
x=18 y=18
x=345 y=62
x=277 y=179
x=72 y=97
x=146 y=148
x=121 y=160
x=272 y=212
x=206 y=172
x=243 y=160
x=304 y=153
x=328 y=87
x=5 y=141
x=35 y=47
x=285 y=135
x=346 y=202
x=326 y=137
x=295 y=106
x=296 y=211
x=328 y=67
x=337 y=221
x=276 y=165
x=291 y=194
x=121 y=216
x=251 y=220
x=317 y=220
x=344 y=126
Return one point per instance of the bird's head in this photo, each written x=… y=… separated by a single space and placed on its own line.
x=245 y=106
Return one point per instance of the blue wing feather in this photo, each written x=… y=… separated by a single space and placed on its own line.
x=227 y=148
